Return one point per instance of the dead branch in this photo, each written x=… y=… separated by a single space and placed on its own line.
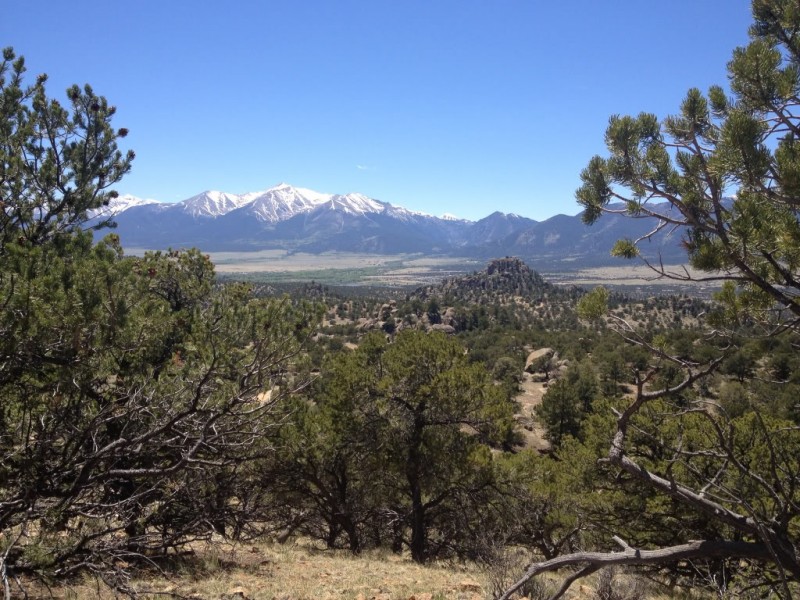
x=592 y=561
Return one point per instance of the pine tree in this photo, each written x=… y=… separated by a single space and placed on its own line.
x=130 y=388
x=726 y=172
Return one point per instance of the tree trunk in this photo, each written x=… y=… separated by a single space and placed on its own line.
x=418 y=531
x=333 y=534
x=413 y=475
x=353 y=538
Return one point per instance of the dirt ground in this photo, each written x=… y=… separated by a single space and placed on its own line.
x=529 y=397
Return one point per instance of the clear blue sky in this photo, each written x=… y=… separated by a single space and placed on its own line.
x=457 y=106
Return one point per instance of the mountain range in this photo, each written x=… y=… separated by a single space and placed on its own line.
x=302 y=220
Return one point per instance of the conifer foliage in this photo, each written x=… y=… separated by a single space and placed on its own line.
x=55 y=163
x=394 y=448
x=128 y=386
x=725 y=170
x=725 y=167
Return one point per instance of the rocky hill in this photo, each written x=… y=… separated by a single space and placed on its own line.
x=503 y=279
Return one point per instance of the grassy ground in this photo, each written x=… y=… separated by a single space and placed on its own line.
x=299 y=571
x=352 y=268
x=340 y=268
x=295 y=572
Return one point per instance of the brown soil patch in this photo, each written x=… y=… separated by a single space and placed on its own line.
x=530 y=396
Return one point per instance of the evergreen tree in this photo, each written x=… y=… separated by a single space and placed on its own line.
x=560 y=412
x=726 y=170
x=56 y=164
x=430 y=395
x=131 y=389
x=397 y=445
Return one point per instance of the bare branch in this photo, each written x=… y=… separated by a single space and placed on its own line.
x=592 y=561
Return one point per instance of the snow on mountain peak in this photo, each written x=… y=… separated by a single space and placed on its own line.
x=288 y=190
x=275 y=204
x=283 y=202
x=120 y=204
x=212 y=204
x=357 y=204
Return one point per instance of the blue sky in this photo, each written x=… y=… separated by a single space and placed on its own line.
x=445 y=106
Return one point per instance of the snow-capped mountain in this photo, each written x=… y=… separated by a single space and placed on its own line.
x=282 y=202
x=211 y=204
x=120 y=204
x=275 y=204
x=356 y=204
x=299 y=219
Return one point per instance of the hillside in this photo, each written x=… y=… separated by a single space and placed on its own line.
x=503 y=278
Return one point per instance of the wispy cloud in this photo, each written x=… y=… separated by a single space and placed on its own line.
x=362 y=167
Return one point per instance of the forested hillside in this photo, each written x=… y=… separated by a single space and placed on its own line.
x=148 y=410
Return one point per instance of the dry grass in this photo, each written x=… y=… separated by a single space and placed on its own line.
x=273 y=261
x=627 y=274
x=296 y=572
x=301 y=572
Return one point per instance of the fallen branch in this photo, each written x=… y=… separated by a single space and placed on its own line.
x=592 y=561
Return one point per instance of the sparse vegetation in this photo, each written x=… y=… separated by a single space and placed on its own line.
x=166 y=432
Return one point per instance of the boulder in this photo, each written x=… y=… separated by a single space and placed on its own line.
x=537 y=355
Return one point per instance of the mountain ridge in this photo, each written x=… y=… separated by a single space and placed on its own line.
x=302 y=220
